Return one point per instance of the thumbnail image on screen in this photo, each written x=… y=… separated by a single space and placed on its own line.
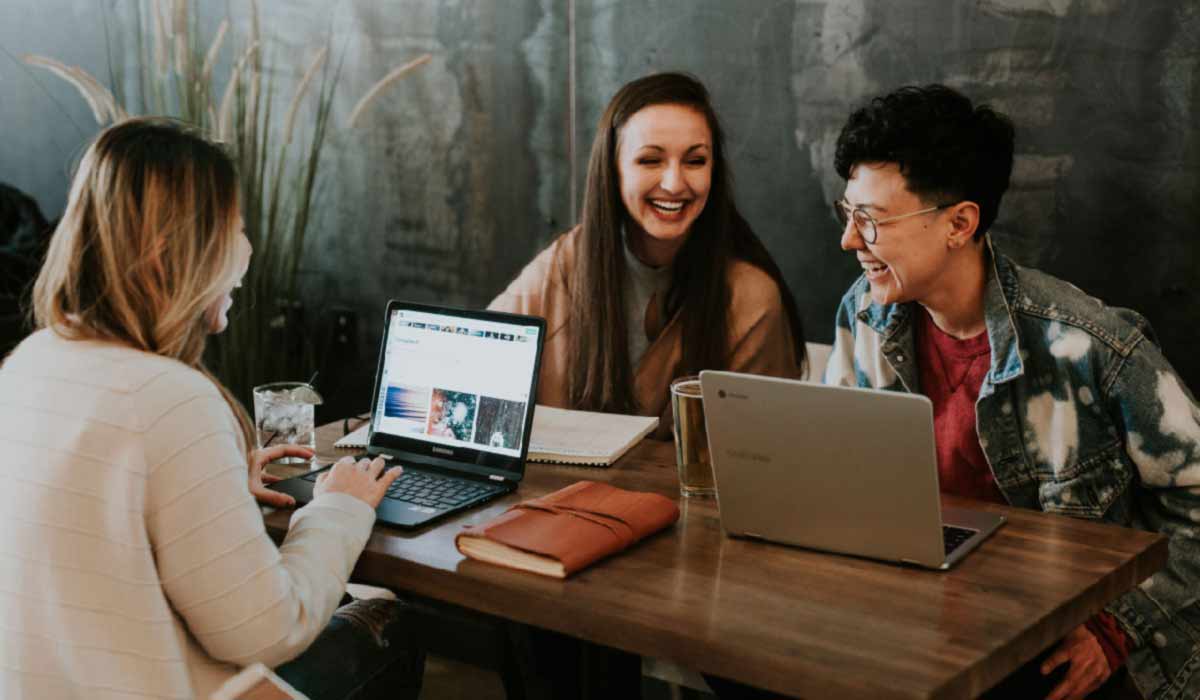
x=500 y=423
x=408 y=406
x=452 y=414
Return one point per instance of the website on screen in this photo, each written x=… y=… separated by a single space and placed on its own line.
x=456 y=381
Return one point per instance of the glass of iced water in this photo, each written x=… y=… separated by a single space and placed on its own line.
x=284 y=414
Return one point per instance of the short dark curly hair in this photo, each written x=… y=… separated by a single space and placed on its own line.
x=948 y=149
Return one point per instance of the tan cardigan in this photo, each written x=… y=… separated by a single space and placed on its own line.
x=760 y=336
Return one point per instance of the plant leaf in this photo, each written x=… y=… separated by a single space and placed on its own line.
x=290 y=122
x=384 y=83
x=68 y=73
x=214 y=50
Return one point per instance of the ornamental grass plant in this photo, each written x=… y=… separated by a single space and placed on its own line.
x=278 y=156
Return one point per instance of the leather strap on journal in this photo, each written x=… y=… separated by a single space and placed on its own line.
x=579 y=524
x=620 y=528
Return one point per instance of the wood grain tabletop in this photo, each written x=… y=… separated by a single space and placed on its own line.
x=795 y=621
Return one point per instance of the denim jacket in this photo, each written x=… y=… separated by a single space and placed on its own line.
x=1079 y=414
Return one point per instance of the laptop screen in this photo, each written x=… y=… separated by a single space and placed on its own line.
x=458 y=384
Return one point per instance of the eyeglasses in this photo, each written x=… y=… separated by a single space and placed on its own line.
x=867 y=225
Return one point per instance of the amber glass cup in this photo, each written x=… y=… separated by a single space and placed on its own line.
x=691 y=439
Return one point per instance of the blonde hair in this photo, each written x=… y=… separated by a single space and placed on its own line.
x=147 y=245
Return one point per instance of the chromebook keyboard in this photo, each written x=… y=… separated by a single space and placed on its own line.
x=953 y=537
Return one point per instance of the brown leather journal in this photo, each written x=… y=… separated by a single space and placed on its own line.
x=565 y=531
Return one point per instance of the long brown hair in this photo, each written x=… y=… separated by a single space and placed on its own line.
x=146 y=246
x=600 y=370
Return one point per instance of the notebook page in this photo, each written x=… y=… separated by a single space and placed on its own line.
x=567 y=433
x=358 y=438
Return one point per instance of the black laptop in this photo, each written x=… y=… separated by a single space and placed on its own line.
x=453 y=405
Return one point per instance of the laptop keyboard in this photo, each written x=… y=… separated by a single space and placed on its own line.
x=434 y=490
x=953 y=537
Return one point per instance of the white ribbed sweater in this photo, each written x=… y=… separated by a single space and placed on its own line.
x=133 y=560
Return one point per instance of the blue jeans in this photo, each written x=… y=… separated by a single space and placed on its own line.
x=367 y=651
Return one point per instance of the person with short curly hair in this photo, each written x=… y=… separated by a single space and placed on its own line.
x=1043 y=397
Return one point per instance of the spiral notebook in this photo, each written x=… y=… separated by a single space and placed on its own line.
x=565 y=436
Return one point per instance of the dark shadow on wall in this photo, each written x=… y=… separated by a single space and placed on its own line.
x=24 y=233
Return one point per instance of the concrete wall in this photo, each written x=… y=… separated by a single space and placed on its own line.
x=462 y=173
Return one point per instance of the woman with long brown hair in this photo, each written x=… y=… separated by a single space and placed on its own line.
x=662 y=277
x=137 y=563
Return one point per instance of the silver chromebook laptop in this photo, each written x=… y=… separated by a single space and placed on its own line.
x=844 y=470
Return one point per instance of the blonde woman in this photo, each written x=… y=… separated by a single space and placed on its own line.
x=135 y=561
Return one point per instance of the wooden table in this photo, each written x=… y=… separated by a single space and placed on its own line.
x=794 y=621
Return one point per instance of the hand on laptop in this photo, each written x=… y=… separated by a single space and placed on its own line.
x=365 y=480
x=259 y=478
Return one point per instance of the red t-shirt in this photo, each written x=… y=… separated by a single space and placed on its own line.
x=952 y=372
